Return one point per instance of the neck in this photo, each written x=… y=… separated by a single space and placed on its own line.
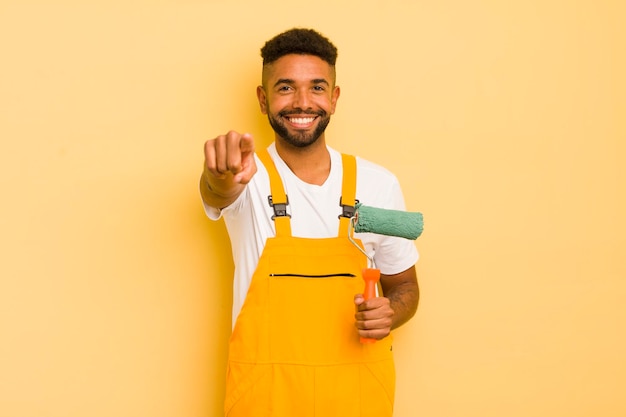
x=311 y=164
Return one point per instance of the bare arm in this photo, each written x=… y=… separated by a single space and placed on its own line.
x=228 y=166
x=375 y=318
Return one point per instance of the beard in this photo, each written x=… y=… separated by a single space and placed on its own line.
x=299 y=139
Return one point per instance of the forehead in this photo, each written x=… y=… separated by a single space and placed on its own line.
x=298 y=67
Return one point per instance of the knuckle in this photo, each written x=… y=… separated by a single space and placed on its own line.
x=233 y=136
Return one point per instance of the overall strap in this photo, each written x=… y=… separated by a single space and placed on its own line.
x=348 y=192
x=278 y=199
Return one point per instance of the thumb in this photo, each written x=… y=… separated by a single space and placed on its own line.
x=358 y=299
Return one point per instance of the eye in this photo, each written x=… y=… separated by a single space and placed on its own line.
x=319 y=88
x=284 y=88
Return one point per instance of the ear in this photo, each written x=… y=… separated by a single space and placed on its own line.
x=333 y=99
x=262 y=97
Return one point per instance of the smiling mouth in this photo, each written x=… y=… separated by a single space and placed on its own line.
x=301 y=121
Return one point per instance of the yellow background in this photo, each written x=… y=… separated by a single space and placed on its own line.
x=504 y=121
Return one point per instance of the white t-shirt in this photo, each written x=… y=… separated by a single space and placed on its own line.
x=314 y=213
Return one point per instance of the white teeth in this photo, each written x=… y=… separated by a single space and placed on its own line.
x=302 y=120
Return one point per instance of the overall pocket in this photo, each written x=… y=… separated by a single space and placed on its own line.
x=340 y=274
x=311 y=309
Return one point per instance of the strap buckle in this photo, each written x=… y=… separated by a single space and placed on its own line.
x=348 y=211
x=280 y=209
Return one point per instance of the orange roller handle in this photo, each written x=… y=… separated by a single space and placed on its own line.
x=371 y=276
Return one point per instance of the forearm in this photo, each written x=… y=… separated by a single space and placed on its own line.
x=404 y=301
x=402 y=290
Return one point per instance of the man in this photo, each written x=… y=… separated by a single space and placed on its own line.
x=298 y=311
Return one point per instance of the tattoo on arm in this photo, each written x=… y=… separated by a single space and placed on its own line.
x=403 y=293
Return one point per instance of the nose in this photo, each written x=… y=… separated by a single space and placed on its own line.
x=302 y=99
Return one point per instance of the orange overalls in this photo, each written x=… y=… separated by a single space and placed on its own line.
x=294 y=350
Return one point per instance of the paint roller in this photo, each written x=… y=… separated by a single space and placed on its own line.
x=408 y=225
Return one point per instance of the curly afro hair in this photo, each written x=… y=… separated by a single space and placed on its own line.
x=299 y=41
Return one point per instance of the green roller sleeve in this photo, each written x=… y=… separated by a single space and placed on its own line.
x=388 y=222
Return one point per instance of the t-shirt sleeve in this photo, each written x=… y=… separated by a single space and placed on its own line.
x=214 y=213
x=395 y=254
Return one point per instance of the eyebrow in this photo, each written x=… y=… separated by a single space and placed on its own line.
x=291 y=82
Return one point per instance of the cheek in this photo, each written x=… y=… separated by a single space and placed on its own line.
x=275 y=105
x=332 y=105
x=324 y=102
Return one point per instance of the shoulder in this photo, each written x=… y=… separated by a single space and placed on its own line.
x=372 y=170
x=378 y=186
x=367 y=169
